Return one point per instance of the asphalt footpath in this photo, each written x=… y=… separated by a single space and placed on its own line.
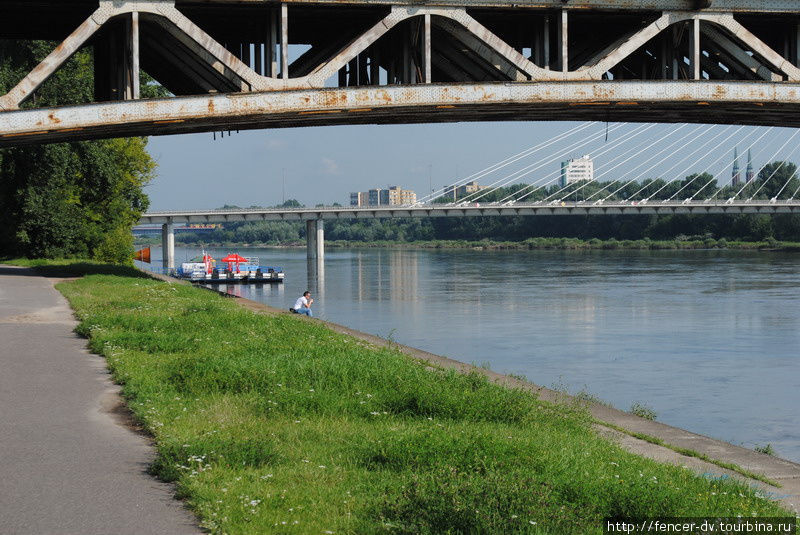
x=71 y=461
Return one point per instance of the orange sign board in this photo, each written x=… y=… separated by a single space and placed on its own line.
x=143 y=255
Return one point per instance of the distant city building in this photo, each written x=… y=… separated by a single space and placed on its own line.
x=407 y=196
x=374 y=197
x=393 y=196
x=459 y=192
x=359 y=198
x=750 y=174
x=736 y=176
x=576 y=170
x=396 y=195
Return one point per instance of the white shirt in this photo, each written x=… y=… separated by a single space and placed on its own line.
x=301 y=302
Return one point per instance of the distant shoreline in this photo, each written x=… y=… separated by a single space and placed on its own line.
x=531 y=244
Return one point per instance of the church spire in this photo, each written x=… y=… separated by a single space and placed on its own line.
x=736 y=177
x=749 y=174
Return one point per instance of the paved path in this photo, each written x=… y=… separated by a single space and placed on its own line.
x=69 y=464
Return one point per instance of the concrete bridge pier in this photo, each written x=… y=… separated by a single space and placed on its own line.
x=315 y=239
x=168 y=246
x=315 y=244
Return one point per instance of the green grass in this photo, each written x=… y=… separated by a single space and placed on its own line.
x=274 y=424
x=643 y=411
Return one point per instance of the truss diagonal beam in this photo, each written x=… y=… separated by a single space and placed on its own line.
x=738 y=54
x=318 y=76
x=495 y=50
x=491 y=56
x=758 y=46
x=624 y=47
x=25 y=88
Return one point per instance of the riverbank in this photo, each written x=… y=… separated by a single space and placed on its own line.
x=273 y=423
x=533 y=244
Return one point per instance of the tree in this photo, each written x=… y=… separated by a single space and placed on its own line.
x=69 y=199
x=776 y=179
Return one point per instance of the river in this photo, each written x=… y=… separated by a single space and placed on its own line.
x=710 y=340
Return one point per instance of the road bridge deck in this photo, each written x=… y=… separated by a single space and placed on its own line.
x=474 y=210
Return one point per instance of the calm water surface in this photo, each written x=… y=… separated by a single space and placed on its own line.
x=708 y=339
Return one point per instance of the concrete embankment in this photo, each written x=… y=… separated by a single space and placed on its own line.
x=70 y=463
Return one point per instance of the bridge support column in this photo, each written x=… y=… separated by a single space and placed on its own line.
x=674 y=54
x=695 y=48
x=797 y=45
x=134 y=85
x=426 y=49
x=168 y=246
x=272 y=39
x=564 y=35
x=546 y=43
x=315 y=239
x=284 y=41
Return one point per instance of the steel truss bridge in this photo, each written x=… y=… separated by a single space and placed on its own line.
x=240 y=64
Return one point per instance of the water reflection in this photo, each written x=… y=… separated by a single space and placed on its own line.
x=383 y=274
x=315 y=270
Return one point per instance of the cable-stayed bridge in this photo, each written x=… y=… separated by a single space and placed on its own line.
x=536 y=181
x=256 y=63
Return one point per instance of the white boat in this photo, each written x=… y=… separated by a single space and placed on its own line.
x=237 y=269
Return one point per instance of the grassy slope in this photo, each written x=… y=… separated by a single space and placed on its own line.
x=275 y=424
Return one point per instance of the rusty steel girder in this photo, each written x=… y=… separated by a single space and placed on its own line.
x=704 y=102
x=750 y=6
x=231 y=65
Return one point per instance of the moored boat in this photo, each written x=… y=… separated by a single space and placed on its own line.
x=236 y=269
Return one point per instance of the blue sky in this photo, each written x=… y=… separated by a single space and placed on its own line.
x=323 y=164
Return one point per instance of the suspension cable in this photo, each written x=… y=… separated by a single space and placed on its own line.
x=635 y=151
x=730 y=182
x=782 y=162
x=614 y=144
x=765 y=165
x=668 y=147
x=511 y=159
x=775 y=198
x=713 y=179
x=472 y=197
x=677 y=163
x=689 y=166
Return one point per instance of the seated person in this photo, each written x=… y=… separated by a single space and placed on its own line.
x=303 y=304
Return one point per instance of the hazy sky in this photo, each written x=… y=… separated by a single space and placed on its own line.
x=324 y=164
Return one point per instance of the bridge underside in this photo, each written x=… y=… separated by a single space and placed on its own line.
x=735 y=103
x=477 y=210
x=255 y=63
